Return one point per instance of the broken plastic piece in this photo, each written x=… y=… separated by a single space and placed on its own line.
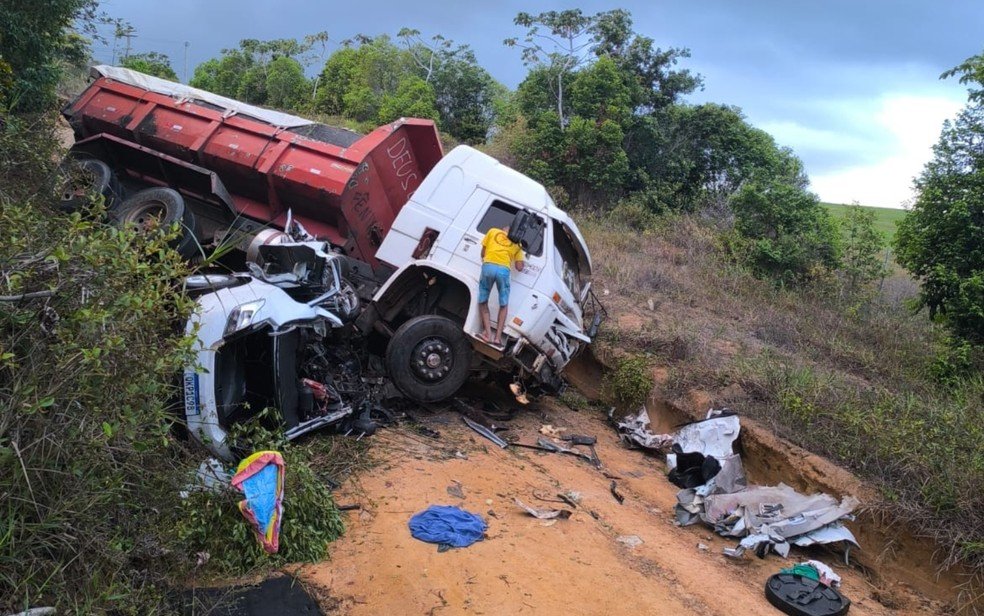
x=544 y=514
x=482 y=430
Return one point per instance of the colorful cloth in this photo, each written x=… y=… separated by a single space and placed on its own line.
x=499 y=249
x=260 y=477
x=447 y=525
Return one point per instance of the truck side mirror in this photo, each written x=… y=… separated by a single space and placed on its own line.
x=526 y=229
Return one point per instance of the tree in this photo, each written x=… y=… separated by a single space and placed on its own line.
x=464 y=91
x=941 y=241
x=785 y=233
x=151 y=63
x=557 y=42
x=863 y=244
x=413 y=98
x=33 y=38
x=286 y=85
x=223 y=75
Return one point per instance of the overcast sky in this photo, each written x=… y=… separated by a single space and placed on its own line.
x=851 y=85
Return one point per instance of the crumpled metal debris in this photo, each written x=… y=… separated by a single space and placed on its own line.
x=544 y=514
x=634 y=430
x=765 y=518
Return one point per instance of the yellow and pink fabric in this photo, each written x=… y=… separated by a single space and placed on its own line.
x=260 y=477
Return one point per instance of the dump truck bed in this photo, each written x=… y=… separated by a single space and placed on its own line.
x=343 y=187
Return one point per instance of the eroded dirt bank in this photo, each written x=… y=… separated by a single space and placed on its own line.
x=575 y=566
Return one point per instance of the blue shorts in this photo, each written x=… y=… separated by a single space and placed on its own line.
x=497 y=275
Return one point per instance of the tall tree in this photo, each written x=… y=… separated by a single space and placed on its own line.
x=941 y=241
x=151 y=63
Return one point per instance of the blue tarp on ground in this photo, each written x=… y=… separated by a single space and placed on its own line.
x=447 y=525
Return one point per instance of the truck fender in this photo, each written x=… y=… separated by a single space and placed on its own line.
x=401 y=285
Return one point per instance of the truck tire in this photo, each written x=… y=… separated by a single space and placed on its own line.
x=428 y=358
x=159 y=207
x=82 y=178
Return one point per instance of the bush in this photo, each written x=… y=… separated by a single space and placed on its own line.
x=212 y=524
x=87 y=365
x=634 y=214
x=630 y=382
x=783 y=232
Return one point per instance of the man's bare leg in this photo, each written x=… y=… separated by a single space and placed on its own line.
x=500 y=323
x=483 y=312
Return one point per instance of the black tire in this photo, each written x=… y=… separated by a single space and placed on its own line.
x=159 y=208
x=83 y=177
x=428 y=358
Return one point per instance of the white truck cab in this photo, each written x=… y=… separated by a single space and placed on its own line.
x=434 y=246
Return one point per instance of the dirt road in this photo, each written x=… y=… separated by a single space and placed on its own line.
x=525 y=565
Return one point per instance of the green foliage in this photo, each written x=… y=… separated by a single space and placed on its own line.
x=941 y=241
x=862 y=247
x=151 y=63
x=86 y=375
x=286 y=85
x=260 y=73
x=923 y=447
x=634 y=213
x=783 y=232
x=212 y=523
x=630 y=382
x=36 y=43
x=414 y=98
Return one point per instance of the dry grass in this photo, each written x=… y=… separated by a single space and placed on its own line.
x=846 y=377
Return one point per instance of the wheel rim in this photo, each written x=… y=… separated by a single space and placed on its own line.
x=148 y=216
x=432 y=359
x=78 y=184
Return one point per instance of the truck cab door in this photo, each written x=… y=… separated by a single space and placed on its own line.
x=495 y=212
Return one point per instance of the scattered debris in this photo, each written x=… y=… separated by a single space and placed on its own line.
x=352 y=507
x=589 y=441
x=519 y=393
x=634 y=430
x=702 y=547
x=801 y=596
x=446 y=525
x=486 y=432
x=613 y=488
x=572 y=498
x=552 y=432
x=455 y=490
x=210 y=476
x=631 y=541
x=716 y=492
x=261 y=479
x=815 y=570
x=544 y=514
x=425 y=431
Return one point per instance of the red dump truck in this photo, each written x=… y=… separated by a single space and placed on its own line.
x=407 y=217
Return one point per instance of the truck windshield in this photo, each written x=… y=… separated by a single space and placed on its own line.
x=566 y=262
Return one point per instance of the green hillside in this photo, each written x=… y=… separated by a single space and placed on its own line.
x=885 y=218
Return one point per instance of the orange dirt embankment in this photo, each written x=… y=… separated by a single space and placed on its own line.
x=574 y=566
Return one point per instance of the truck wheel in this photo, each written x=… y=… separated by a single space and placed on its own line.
x=159 y=207
x=428 y=358
x=82 y=178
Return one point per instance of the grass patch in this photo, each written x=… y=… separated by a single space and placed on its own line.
x=886 y=218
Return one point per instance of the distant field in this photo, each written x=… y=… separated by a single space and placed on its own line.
x=885 y=218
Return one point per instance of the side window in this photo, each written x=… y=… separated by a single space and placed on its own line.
x=500 y=215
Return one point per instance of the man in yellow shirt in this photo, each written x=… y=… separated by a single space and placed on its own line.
x=499 y=253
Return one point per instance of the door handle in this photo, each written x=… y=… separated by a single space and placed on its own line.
x=470 y=240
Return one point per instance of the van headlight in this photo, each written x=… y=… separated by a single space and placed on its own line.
x=242 y=316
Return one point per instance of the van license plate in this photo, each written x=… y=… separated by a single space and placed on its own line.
x=191 y=393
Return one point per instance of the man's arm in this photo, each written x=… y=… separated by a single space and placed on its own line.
x=518 y=259
x=520 y=265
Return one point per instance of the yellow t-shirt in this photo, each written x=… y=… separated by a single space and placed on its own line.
x=499 y=249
